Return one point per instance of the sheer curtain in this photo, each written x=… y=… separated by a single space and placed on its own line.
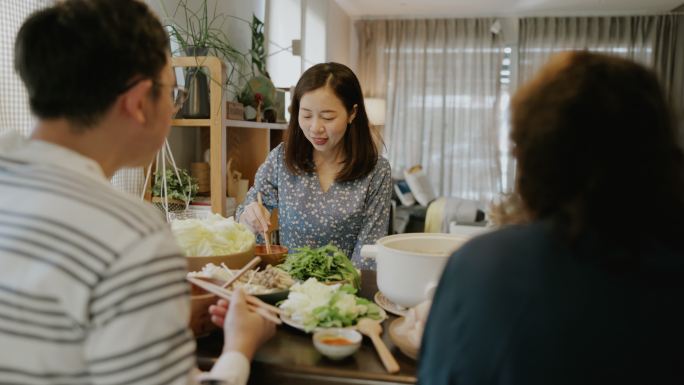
x=656 y=41
x=440 y=80
x=15 y=114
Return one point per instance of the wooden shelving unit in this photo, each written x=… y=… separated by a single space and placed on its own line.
x=248 y=143
x=217 y=131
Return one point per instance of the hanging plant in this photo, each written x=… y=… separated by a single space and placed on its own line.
x=183 y=191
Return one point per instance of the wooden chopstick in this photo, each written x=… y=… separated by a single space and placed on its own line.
x=226 y=294
x=255 y=261
x=255 y=304
x=265 y=233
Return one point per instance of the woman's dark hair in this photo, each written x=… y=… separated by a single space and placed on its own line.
x=596 y=147
x=360 y=151
x=77 y=56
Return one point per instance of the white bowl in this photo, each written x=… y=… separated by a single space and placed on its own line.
x=409 y=265
x=337 y=351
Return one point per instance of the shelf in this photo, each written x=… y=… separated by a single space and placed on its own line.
x=229 y=123
x=191 y=122
x=217 y=137
x=250 y=124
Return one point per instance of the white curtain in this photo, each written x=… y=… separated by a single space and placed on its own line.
x=440 y=79
x=15 y=113
x=657 y=41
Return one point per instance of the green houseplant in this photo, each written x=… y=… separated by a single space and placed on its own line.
x=179 y=194
x=200 y=30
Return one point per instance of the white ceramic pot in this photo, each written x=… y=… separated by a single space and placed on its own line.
x=409 y=265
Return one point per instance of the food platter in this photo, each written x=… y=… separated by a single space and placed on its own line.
x=290 y=322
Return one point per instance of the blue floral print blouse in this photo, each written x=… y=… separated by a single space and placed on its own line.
x=349 y=215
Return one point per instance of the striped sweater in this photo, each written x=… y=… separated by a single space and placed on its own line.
x=92 y=286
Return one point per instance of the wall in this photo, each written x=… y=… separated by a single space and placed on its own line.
x=314 y=31
x=338 y=35
x=323 y=28
x=283 y=25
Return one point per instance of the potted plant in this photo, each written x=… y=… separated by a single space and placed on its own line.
x=202 y=31
x=199 y=31
x=179 y=192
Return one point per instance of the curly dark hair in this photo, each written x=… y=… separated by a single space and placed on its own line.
x=360 y=150
x=596 y=149
x=77 y=56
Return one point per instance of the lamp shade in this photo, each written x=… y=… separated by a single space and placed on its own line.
x=375 y=108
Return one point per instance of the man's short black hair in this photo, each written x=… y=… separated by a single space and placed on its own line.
x=77 y=56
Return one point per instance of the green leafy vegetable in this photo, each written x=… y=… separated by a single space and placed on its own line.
x=313 y=304
x=326 y=264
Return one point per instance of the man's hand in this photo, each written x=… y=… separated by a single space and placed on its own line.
x=244 y=330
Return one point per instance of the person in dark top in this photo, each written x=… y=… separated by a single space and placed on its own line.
x=588 y=288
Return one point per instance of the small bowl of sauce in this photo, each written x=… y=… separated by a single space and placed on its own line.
x=337 y=344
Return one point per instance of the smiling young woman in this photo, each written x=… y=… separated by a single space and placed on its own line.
x=327 y=180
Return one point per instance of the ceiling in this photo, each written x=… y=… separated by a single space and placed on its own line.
x=470 y=8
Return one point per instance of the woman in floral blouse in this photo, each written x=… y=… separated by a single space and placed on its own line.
x=327 y=179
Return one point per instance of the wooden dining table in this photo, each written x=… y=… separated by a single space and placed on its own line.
x=290 y=357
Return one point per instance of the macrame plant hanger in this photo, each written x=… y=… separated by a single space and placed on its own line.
x=165 y=155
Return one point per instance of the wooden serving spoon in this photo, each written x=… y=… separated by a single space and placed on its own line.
x=373 y=329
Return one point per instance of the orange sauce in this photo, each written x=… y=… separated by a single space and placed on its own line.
x=336 y=341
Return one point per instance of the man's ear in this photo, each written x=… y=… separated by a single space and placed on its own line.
x=136 y=100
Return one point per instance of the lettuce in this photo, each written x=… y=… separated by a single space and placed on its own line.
x=214 y=235
x=326 y=264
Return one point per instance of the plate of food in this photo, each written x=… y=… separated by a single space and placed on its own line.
x=312 y=305
x=271 y=284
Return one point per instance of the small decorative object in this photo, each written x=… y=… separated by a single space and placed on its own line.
x=236 y=187
x=250 y=113
x=259 y=99
x=269 y=114
x=197 y=84
x=258 y=85
x=235 y=111
x=200 y=171
x=279 y=105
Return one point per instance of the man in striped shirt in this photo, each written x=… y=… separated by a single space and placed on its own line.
x=92 y=284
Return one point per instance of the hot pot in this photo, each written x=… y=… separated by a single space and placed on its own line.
x=409 y=265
